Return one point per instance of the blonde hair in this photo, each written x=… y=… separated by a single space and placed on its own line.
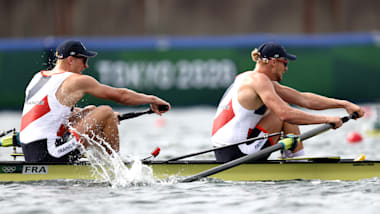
x=256 y=56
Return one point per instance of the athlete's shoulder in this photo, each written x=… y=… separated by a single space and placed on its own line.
x=80 y=77
x=252 y=76
x=49 y=73
x=82 y=80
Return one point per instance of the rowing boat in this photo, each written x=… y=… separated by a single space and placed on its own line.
x=331 y=168
x=246 y=168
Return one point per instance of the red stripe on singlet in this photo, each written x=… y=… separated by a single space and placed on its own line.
x=224 y=117
x=265 y=131
x=36 y=112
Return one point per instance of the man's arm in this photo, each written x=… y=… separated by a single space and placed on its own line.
x=84 y=84
x=314 y=101
x=265 y=88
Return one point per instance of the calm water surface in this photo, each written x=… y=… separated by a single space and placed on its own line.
x=185 y=131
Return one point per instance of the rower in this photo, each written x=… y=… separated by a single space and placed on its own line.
x=256 y=103
x=53 y=129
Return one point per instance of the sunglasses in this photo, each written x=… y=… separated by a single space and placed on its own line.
x=284 y=61
x=84 y=59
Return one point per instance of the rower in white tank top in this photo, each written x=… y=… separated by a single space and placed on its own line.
x=233 y=122
x=43 y=116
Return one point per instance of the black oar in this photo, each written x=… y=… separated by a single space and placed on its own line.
x=3 y=133
x=264 y=152
x=139 y=113
x=248 y=141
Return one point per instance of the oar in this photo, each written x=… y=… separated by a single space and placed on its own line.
x=153 y=154
x=139 y=113
x=264 y=152
x=223 y=147
x=3 y=133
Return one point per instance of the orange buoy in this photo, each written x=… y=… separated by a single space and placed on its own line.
x=354 y=137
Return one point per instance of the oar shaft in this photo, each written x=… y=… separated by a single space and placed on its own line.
x=233 y=163
x=3 y=133
x=318 y=130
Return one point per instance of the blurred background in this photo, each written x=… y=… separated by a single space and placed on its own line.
x=188 y=51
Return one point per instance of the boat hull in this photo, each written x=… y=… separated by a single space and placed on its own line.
x=263 y=171
x=373 y=133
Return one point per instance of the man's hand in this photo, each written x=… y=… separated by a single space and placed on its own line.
x=335 y=121
x=352 y=108
x=156 y=106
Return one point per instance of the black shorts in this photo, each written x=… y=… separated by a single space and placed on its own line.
x=233 y=152
x=37 y=151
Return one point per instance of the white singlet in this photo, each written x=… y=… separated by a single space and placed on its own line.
x=43 y=116
x=233 y=122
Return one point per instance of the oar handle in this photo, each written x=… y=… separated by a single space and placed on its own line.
x=354 y=115
x=134 y=114
x=139 y=113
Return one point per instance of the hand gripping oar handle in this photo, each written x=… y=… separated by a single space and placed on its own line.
x=264 y=152
x=139 y=113
x=248 y=141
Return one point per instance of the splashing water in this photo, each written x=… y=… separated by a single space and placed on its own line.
x=112 y=169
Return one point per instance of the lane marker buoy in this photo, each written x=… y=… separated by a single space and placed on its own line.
x=354 y=137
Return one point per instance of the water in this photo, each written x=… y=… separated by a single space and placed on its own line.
x=184 y=131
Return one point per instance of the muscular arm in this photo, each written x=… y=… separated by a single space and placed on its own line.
x=266 y=89
x=79 y=85
x=119 y=95
x=314 y=101
x=307 y=100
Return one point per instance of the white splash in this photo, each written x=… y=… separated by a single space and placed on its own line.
x=112 y=169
